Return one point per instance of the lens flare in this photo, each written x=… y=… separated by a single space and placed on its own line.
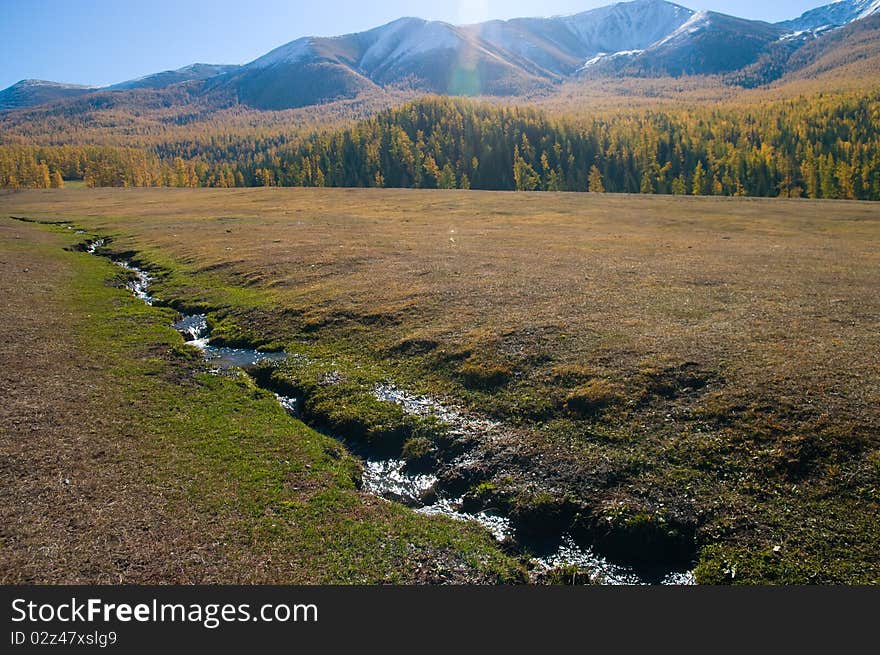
x=465 y=77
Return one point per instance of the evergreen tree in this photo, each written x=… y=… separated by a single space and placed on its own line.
x=595 y=181
x=447 y=178
x=699 y=183
x=817 y=146
x=679 y=186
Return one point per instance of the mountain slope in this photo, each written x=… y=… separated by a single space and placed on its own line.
x=641 y=38
x=28 y=93
x=426 y=55
x=493 y=58
x=167 y=78
x=708 y=43
x=711 y=43
x=561 y=45
x=833 y=15
x=33 y=93
x=852 y=50
x=627 y=26
x=301 y=73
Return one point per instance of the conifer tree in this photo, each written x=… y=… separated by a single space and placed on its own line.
x=699 y=184
x=595 y=181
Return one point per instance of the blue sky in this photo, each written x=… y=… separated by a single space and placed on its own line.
x=101 y=42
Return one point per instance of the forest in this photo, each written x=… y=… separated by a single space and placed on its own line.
x=816 y=146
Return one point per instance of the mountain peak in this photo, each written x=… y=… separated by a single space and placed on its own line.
x=167 y=78
x=33 y=83
x=497 y=57
x=627 y=26
x=833 y=15
x=289 y=53
x=27 y=93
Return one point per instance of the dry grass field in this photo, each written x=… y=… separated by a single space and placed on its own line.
x=699 y=366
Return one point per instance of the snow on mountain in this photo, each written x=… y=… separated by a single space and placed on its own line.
x=545 y=46
x=655 y=35
x=627 y=25
x=833 y=15
x=289 y=53
x=706 y=43
x=28 y=93
x=167 y=78
x=870 y=9
x=206 y=70
x=603 y=57
x=698 y=21
x=35 y=84
x=407 y=38
x=381 y=47
x=558 y=46
x=509 y=57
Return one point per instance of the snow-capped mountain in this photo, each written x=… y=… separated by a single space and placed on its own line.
x=562 y=44
x=833 y=15
x=496 y=57
x=404 y=47
x=406 y=42
x=627 y=25
x=429 y=55
x=641 y=37
x=512 y=57
x=708 y=43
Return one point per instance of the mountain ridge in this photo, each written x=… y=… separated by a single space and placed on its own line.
x=511 y=57
x=835 y=14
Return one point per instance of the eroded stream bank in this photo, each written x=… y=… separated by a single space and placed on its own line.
x=440 y=482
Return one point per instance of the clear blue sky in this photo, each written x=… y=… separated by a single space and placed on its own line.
x=106 y=41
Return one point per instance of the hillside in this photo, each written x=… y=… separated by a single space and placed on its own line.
x=852 y=51
x=29 y=93
x=833 y=15
x=165 y=79
x=707 y=43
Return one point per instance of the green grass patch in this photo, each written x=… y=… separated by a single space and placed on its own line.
x=279 y=489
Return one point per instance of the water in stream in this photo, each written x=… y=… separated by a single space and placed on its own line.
x=194 y=329
x=563 y=551
x=390 y=478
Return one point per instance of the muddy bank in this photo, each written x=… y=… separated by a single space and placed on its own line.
x=441 y=459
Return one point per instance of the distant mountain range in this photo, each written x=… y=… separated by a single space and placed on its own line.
x=503 y=58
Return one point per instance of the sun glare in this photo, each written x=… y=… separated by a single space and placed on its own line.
x=473 y=11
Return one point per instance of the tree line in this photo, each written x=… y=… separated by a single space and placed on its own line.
x=821 y=146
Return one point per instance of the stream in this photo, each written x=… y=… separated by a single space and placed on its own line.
x=390 y=479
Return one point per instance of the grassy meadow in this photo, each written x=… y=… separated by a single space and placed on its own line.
x=666 y=369
x=125 y=462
